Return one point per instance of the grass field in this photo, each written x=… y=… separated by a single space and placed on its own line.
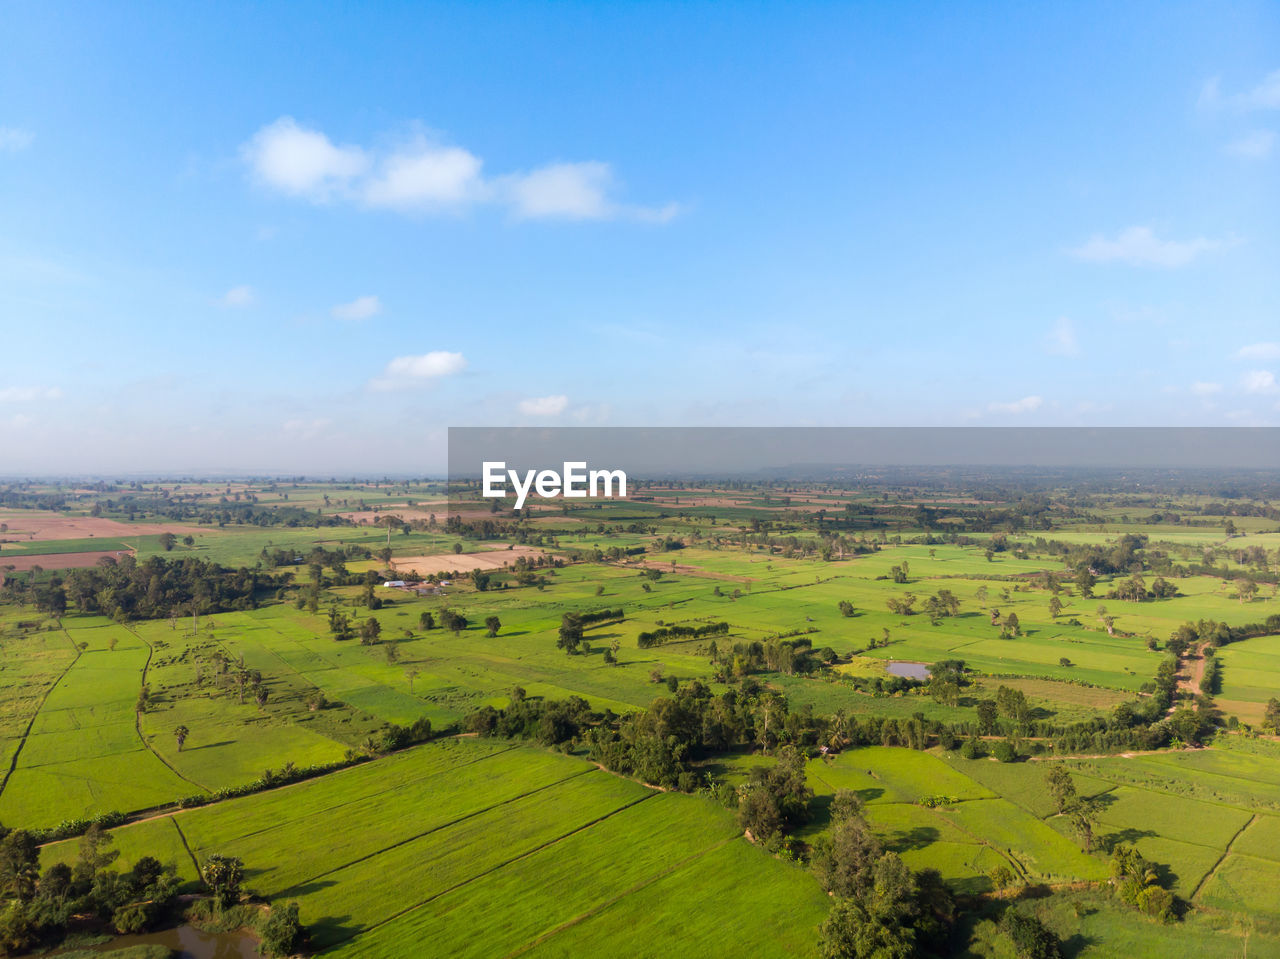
x=489 y=848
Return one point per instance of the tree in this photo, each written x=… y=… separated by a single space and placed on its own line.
x=223 y=875
x=1271 y=718
x=1011 y=625
x=411 y=673
x=1031 y=938
x=845 y=607
x=1085 y=581
x=570 y=633
x=180 y=734
x=370 y=630
x=1082 y=813
x=775 y=799
x=19 y=865
x=1055 y=606
x=844 y=860
x=426 y=621
x=168 y=541
x=281 y=931
x=492 y=624
x=988 y=711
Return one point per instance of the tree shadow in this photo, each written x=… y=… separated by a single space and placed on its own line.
x=330 y=930
x=1075 y=945
x=224 y=742
x=915 y=838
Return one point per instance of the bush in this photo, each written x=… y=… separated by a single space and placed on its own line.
x=973 y=749
x=1004 y=751
x=281 y=931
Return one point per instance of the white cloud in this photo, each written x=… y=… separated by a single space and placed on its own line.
x=1259 y=351
x=1203 y=388
x=238 y=296
x=1258 y=381
x=425 y=177
x=1061 y=340
x=1028 y=404
x=544 y=405
x=301 y=162
x=29 y=394
x=1139 y=246
x=409 y=371
x=13 y=139
x=361 y=308
x=1265 y=96
x=19 y=421
x=574 y=191
x=1255 y=145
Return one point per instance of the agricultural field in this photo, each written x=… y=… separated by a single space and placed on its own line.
x=280 y=705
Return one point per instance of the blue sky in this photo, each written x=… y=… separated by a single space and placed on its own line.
x=286 y=237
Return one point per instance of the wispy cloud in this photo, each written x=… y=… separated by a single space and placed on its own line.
x=29 y=394
x=13 y=139
x=1028 y=404
x=238 y=296
x=1255 y=145
x=1139 y=246
x=1205 y=388
x=1259 y=351
x=544 y=405
x=1061 y=340
x=407 y=372
x=361 y=308
x=1259 y=381
x=423 y=176
x=1264 y=96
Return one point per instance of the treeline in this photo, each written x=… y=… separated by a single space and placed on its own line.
x=125 y=589
x=656 y=637
x=659 y=744
x=41 y=906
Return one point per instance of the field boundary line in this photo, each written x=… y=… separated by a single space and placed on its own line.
x=434 y=829
x=13 y=760
x=1221 y=859
x=137 y=719
x=602 y=907
x=187 y=846
x=502 y=865
x=314 y=779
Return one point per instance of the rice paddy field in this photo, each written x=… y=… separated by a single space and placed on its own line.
x=564 y=858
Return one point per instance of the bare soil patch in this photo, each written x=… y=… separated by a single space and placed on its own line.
x=33 y=524
x=464 y=562
x=61 y=560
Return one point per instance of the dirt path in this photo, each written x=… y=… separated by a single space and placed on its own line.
x=1189 y=680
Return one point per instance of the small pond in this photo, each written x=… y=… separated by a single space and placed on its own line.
x=188 y=942
x=901 y=667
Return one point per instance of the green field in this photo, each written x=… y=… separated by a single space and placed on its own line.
x=565 y=858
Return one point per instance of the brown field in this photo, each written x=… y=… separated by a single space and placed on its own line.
x=420 y=511
x=35 y=524
x=463 y=562
x=60 y=560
